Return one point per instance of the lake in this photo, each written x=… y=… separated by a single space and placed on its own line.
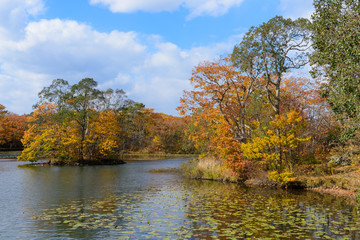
x=129 y=202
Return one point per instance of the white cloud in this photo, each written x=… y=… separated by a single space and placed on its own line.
x=53 y=49
x=296 y=8
x=148 y=68
x=195 y=7
x=14 y=15
x=19 y=88
x=65 y=47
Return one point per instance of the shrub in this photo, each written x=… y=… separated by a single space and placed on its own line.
x=281 y=177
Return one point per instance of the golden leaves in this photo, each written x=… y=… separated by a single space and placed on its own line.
x=284 y=134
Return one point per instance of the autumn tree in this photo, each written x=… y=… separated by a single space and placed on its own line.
x=219 y=108
x=106 y=135
x=223 y=99
x=12 y=128
x=80 y=123
x=263 y=149
x=220 y=85
x=41 y=138
x=168 y=135
x=269 y=51
x=75 y=123
x=80 y=101
x=2 y=110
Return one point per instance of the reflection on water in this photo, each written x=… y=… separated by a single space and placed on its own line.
x=126 y=201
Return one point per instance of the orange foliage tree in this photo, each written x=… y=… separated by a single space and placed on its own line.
x=218 y=105
x=220 y=85
x=233 y=120
x=168 y=136
x=12 y=128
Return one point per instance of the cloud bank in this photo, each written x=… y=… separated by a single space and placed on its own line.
x=149 y=69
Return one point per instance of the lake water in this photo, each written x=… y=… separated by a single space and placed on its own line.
x=129 y=202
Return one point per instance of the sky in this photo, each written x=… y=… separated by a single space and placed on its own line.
x=147 y=48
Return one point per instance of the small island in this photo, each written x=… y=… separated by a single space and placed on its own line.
x=82 y=125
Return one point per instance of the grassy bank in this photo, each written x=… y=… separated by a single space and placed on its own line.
x=338 y=181
x=211 y=169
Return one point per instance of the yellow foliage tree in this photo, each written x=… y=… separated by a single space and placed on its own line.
x=61 y=141
x=265 y=148
x=106 y=133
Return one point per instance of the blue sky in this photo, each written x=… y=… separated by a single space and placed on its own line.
x=148 y=48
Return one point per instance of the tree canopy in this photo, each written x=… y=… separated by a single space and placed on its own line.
x=75 y=123
x=82 y=124
x=336 y=56
x=272 y=49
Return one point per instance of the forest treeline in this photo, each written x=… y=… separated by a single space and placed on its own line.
x=253 y=109
x=80 y=123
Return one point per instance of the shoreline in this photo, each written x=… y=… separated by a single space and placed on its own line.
x=344 y=181
x=47 y=163
x=334 y=191
x=125 y=156
x=264 y=183
x=337 y=192
x=123 y=159
x=153 y=156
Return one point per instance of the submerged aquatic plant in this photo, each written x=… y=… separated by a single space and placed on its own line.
x=199 y=210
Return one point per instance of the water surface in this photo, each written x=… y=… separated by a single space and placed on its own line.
x=128 y=202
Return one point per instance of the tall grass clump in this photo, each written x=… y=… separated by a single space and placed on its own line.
x=208 y=168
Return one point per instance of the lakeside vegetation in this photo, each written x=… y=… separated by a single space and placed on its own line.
x=253 y=112
x=251 y=116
